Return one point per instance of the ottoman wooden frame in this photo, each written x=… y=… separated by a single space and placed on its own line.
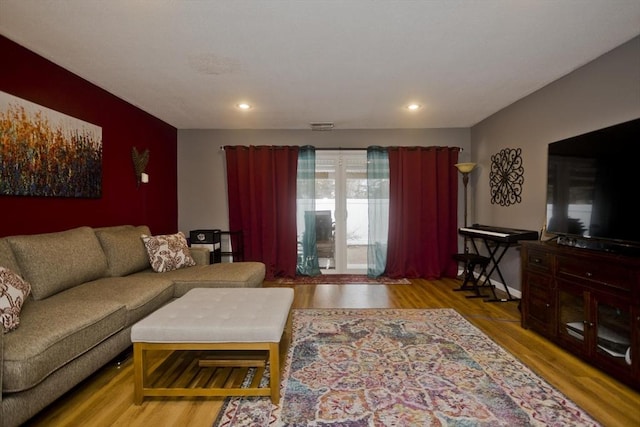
x=206 y=319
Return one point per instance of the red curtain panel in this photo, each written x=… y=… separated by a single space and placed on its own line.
x=423 y=214
x=261 y=184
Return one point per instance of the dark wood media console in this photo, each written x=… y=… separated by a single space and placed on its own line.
x=587 y=302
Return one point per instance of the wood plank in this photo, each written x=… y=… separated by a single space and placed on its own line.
x=238 y=359
x=246 y=363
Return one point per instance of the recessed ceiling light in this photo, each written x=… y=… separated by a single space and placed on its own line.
x=414 y=107
x=244 y=106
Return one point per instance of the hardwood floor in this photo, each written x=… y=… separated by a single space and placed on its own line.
x=106 y=399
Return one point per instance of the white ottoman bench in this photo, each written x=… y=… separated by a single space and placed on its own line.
x=215 y=319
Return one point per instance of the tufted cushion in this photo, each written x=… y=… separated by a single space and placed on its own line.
x=13 y=292
x=218 y=315
x=124 y=249
x=53 y=262
x=168 y=252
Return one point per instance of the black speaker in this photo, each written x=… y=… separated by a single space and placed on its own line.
x=207 y=237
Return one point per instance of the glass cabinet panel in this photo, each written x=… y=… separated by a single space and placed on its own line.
x=572 y=316
x=614 y=332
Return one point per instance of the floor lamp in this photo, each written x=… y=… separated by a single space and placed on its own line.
x=465 y=169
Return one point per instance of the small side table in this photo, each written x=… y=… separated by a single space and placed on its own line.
x=234 y=245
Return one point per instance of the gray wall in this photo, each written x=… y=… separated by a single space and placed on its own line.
x=202 y=185
x=604 y=92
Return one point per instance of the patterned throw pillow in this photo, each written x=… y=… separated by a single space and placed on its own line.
x=13 y=292
x=168 y=252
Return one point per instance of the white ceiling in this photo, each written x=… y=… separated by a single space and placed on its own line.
x=356 y=63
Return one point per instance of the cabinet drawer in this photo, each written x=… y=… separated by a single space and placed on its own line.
x=598 y=273
x=538 y=261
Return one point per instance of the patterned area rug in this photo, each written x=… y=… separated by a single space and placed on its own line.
x=341 y=279
x=411 y=367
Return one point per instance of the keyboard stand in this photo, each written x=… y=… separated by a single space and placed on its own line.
x=470 y=282
x=495 y=249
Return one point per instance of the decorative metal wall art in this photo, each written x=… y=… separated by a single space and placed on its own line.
x=506 y=177
x=47 y=153
x=140 y=161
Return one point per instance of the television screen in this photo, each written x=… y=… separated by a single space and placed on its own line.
x=592 y=185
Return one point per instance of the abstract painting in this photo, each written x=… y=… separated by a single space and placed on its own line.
x=47 y=153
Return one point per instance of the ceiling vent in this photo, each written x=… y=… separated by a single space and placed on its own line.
x=321 y=125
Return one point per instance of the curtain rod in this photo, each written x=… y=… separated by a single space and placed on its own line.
x=339 y=149
x=366 y=148
x=222 y=147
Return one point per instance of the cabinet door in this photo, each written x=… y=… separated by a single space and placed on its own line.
x=538 y=304
x=614 y=323
x=574 y=329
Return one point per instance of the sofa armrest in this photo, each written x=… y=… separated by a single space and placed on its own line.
x=201 y=255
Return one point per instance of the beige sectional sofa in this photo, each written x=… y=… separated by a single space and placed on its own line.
x=88 y=287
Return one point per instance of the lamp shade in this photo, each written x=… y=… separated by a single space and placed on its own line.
x=465 y=167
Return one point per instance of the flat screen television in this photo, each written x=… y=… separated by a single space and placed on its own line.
x=593 y=189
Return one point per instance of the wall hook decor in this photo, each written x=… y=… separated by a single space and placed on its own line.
x=140 y=161
x=506 y=177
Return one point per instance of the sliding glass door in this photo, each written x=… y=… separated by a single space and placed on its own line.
x=341 y=195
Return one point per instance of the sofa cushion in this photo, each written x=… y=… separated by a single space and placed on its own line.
x=168 y=252
x=221 y=275
x=202 y=256
x=13 y=293
x=54 y=262
x=124 y=249
x=7 y=259
x=141 y=294
x=55 y=331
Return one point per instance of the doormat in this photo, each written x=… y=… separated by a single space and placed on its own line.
x=341 y=279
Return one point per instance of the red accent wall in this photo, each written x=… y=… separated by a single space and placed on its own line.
x=29 y=76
